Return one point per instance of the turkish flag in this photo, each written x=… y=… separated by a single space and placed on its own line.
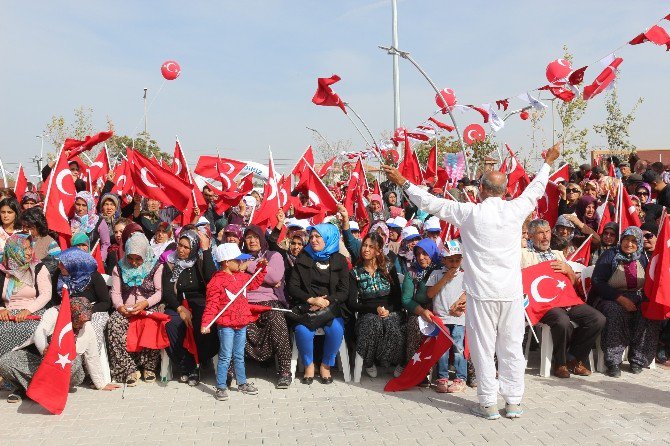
x=21 y=183
x=97 y=255
x=628 y=214
x=577 y=76
x=430 y=175
x=99 y=169
x=179 y=166
x=605 y=78
x=266 y=215
x=51 y=383
x=562 y=93
x=517 y=179
x=357 y=183
x=546 y=289
x=583 y=253
x=322 y=201
x=324 y=93
x=59 y=201
x=189 y=339
x=547 y=206
x=655 y=34
x=219 y=169
x=76 y=146
x=657 y=285
x=152 y=181
x=418 y=366
x=604 y=214
x=376 y=189
x=327 y=167
x=442 y=125
x=562 y=174
x=307 y=158
x=481 y=111
x=409 y=167
x=147 y=330
x=123 y=180
x=257 y=311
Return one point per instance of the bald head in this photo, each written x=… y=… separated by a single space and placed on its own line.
x=494 y=184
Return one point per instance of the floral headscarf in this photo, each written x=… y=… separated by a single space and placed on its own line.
x=624 y=258
x=258 y=232
x=380 y=225
x=137 y=244
x=331 y=238
x=15 y=265
x=88 y=222
x=181 y=264
x=80 y=266
x=81 y=311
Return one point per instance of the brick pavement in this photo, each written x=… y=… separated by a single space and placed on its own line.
x=593 y=410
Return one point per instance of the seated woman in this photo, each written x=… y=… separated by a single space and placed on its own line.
x=586 y=221
x=136 y=286
x=79 y=271
x=115 y=251
x=110 y=209
x=617 y=283
x=45 y=248
x=86 y=221
x=268 y=336
x=9 y=220
x=162 y=240
x=320 y=284
x=185 y=276
x=414 y=294
x=570 y=194
x=609 y=238
x=26 y=290
x=19 y=366
x=374 y=292
x=296 y=239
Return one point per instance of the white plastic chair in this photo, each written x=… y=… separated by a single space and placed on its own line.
x=547 y=349
x=166 y=367
x=342 y=360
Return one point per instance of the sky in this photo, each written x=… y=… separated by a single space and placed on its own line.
x=249 y=68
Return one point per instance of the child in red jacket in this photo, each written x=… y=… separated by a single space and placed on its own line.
x=232 y=324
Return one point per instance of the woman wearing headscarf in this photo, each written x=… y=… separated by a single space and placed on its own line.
x=414 y=298
x=374 y=292
x=9 y=220
x=162 y=240
x=86 y=221
x=185 y=276
x=115 y=250
x=376 y=209
x=20 y=365
x=110 y=209
x=652 y=211
x=609 y=238
x=320 y=285
x=268 y=336
x=586 y=221
x=409 y=237
x=296 y=239
x=45 y=248
x=78 y=270
x=136 y=286
x=26 y=290
x=569 y=196
x=617 y=291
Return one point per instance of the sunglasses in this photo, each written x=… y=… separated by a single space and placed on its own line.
x=642 y=192
x=572 y=191
x=649 y=236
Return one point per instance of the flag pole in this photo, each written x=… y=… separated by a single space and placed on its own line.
x=51 y=179
x=357 y=128
x=235 y=297
x=4 y=174
x=532 y=330
x=346 y=104
x=18 y=173
x=405 y=55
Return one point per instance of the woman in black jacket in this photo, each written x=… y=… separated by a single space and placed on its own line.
x=320 y=283
x=185 y=278
x=374 y=292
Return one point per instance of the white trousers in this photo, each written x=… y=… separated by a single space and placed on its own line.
x=497 y=327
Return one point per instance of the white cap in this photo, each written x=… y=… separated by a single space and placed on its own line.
x=432 y=224
x=250 y=200
x=409 y=232
x=353 y=226
x=202 y=221
x=229 y=251
x=297 y=223
x=452 y=248
x=398 y=222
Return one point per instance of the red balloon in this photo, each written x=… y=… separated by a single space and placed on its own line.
x=170 y=70
x=524 y=115
x=558 y=69
x=391 y=155
x=449 y=96
x=473 y=133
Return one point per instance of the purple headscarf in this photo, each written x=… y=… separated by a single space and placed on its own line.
x=580 y=210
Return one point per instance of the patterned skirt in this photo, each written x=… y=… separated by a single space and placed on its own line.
x=19 y=367
x=268 y=337
x=13 y=334
x=380 y=340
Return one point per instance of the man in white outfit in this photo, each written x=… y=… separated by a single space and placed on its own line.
x=494 y=319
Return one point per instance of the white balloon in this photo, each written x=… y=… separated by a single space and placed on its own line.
x=145 y=179
x=534 y=292
x=59 y=180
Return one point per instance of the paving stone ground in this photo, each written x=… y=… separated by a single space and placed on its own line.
x=634 y=409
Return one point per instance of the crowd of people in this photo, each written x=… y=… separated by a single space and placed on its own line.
x=296 y=280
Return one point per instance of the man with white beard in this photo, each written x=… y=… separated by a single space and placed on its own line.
x=494 y=319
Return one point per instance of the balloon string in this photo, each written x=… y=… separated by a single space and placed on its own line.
x=139 y=123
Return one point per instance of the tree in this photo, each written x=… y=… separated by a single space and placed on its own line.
x=445 y=144
x=57 y=129
x=142 y=142
x=479 y=151
x=575 y=146
x=616 y=127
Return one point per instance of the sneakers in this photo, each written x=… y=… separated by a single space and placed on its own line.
x=284 y=381
x=221 y=394
x=247 y=389
x=457 y=385
x=513 y=410
x=486 y=412
x=371 y=371
x=398 y=371
x=442 y=385
x=578 y=368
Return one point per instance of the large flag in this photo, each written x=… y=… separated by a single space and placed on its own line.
x=546 y=289
x=76 y=146
x=628 y=215
x=306 y=159
x=657 y=285
x=547 y=206
x=179 y=166
x=99 y=169
x=322 y=201
x=266 y=215
x=324 y=93
x=147 y=330
x=409 y=167
x=517 y=179
x=51 y=383
x=219 y=169
x=123 y=181
x=418 y=366
x=21 y=183
x=59 y=201
x=583 y=253
x=562 y=174
x=327 y=167
x=152 y=181
x=603 y=80
x=355 y=187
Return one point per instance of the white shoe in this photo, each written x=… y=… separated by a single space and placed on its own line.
x=398 y=371
x=371 y=371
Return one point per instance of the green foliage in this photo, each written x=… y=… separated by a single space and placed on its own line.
x=616 y=128
x=479 y=150
x=445 y=144
x=57 y=129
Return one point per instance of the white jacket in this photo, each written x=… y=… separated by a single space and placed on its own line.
x=490 y=235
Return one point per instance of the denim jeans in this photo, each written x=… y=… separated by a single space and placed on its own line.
x=304 y=340
x=460 y=364
x=231 y=345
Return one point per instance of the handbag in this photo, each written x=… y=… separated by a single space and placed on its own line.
x=301 y=314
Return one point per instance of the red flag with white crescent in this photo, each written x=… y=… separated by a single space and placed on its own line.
x=583 y=253
x=179 y=167
x=59 y=201
x=546 y=289
x=517 y=179
x=547 y=205
x=628 y=214
x=409 y=167
x=561 y=174
x=266 y=215
x=601 y=82
x=51 y=383
x=123 y=181
x=657 y=284
x=152 y=181
x=325 y=95
x=219 y=169
x=99 y=169
x=76 y=146
x=327 y=167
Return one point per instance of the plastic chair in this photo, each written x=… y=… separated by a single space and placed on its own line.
x=547 y=349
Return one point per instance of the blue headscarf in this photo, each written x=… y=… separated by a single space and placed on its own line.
x=620 y=256
x=430 y=247
x=331 y=237
x=80 y=265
